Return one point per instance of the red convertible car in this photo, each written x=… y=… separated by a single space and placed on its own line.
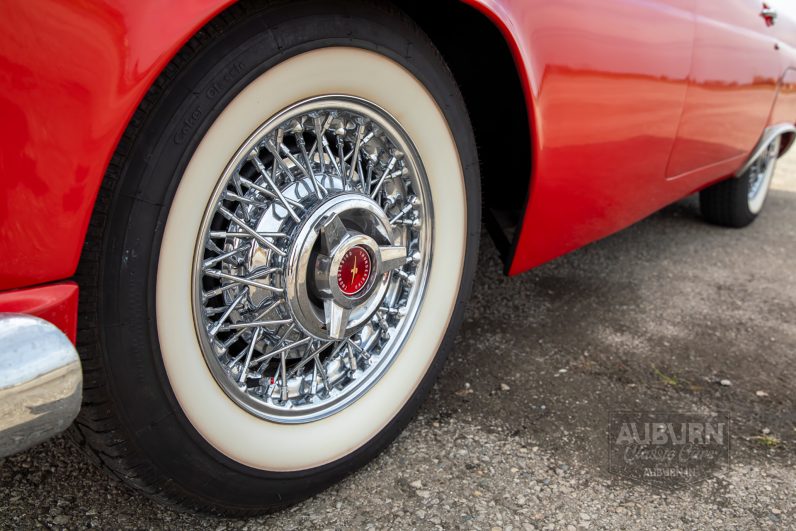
x=257 y=222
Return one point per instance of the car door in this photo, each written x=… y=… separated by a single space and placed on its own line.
x=732 y=86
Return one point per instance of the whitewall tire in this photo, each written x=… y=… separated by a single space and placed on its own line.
x=251 y=338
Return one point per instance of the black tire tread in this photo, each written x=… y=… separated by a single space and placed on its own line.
x=98 y=431
x=726 y=203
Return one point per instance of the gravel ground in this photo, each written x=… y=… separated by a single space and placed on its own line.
x=513 y=435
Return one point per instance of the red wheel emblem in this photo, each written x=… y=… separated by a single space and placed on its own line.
x=354 y=271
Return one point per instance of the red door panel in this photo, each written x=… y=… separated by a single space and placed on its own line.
x=733 y=83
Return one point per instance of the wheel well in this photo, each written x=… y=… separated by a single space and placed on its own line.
x=787 y=143
x=483 y=66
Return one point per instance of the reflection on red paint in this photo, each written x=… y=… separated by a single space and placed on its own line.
x=633 y=104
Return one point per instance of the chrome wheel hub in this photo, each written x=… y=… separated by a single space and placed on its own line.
x=338 y=268
x=311 y=264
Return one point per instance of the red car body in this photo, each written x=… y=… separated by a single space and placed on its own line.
x=633 y=104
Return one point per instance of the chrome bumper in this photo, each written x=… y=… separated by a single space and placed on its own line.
x=41 y=382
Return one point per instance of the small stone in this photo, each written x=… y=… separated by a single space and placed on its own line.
x=761 y=394
x=416 y=484
x=585 y=516
x=61 y=520
x=774 y=510
x=561 y=371
x=466 y=391
x=477 y=493
x=766 y=431
x=423 y=493
x=725 y=383
x=504 y=387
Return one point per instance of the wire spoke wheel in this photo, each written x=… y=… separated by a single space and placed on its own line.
x=282 y=258
x=760 y=174
x=312 y=259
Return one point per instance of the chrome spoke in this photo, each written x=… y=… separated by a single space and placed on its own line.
x=254 y=276
x=256 y=324
x=220 y=258
x=408 y=207
x=242 y=280
x=279 y=351
x=312 y=353
x=268 y=193
x=319 y=190
x=259 y=165
x=384 y=176
x=218 y=324
x=249 y=351
x=251 y=232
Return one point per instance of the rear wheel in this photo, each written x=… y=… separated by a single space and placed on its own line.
x=737 y=202
x=279 y=258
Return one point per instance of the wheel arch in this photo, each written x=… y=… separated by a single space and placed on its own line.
x=506 y=146
x=478 y=65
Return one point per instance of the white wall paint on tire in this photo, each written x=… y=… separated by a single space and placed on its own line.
x=239 y=435
x=756 y=202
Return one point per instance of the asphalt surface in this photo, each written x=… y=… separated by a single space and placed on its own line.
x=514 y=434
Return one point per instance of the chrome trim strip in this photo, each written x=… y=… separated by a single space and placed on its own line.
x=769 y=134
x=41 y=382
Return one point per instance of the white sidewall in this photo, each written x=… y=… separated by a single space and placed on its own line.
x=756 y=203
x=231 y=430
